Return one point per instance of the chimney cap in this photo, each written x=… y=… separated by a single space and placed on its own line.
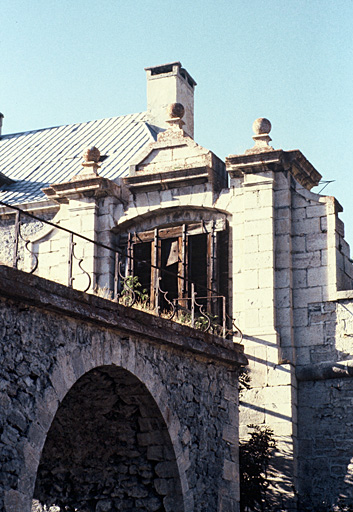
x=160 y=68
x=169 y=68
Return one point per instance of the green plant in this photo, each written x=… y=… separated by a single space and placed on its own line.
x=131 y=287
x=254 y=458
x=201 y=323
x=132 y=295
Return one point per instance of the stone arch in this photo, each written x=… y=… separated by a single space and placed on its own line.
x=168 y=215
x=104 y=349
x=108 y=448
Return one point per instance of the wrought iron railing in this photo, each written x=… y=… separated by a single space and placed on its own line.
x=191 y=309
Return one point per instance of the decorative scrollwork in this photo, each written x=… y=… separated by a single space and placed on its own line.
x=80 y=260
x=201 y=323
x=18 y=235
x=35 y=266
x=234 y=330
x=171 y=313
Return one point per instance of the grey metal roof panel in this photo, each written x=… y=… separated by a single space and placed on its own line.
x=35 y=159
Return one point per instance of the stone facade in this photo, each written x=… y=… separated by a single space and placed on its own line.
x=250 y=229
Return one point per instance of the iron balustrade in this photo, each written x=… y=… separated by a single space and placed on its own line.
x=190 y=308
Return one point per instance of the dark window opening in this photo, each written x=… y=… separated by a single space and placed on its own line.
x=169 y=269
x=222 y=258
x=181 y=255
x=198 y=265
x=142 y=267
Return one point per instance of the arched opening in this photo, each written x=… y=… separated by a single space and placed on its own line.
x=172 y=251
x=108 y=449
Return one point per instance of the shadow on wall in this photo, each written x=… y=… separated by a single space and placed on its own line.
x=326 y=445
x=325 y=416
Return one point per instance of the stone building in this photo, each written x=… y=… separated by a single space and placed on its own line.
x=258 y=246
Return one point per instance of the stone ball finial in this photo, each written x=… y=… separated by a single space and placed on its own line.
x=91 y=154
x=175 y=110
x=261 y=126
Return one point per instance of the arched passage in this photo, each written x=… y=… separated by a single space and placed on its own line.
x=108 y=449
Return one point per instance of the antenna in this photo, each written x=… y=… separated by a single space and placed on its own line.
x=325 y=183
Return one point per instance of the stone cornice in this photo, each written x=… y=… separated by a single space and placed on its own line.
x=168 y=180
x=175 y=160
x=277 y=160
x=89 y=186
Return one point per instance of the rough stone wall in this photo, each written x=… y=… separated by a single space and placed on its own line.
x=108 y=449
x=325 y=393
x=325 y=443
x=45 y=351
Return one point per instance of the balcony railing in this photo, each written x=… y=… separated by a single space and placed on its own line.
x=192 y=309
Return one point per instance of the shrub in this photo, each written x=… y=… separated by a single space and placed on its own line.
x=254 y=458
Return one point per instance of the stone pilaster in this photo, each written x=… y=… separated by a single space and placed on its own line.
x=262 y=296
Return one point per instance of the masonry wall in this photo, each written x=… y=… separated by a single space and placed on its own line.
x=325 y=411
x=325 y=443
x=108 y=448
x=288 y=263
x=271 y=399
x=51 y=337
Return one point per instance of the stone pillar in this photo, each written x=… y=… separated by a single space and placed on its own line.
x=262 y=297
x=271 y=400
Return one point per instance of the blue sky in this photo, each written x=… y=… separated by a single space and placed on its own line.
x=64 y=61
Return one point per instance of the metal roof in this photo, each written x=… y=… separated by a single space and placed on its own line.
x=35 y=159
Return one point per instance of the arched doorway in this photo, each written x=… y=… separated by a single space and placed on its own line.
x=108 y=449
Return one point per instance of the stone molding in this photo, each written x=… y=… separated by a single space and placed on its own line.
x=174 y=161
x=277 y=160
x=92 y=186
x=326 y=370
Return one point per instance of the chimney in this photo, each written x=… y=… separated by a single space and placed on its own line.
x=1 y=118
x=166 y=84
